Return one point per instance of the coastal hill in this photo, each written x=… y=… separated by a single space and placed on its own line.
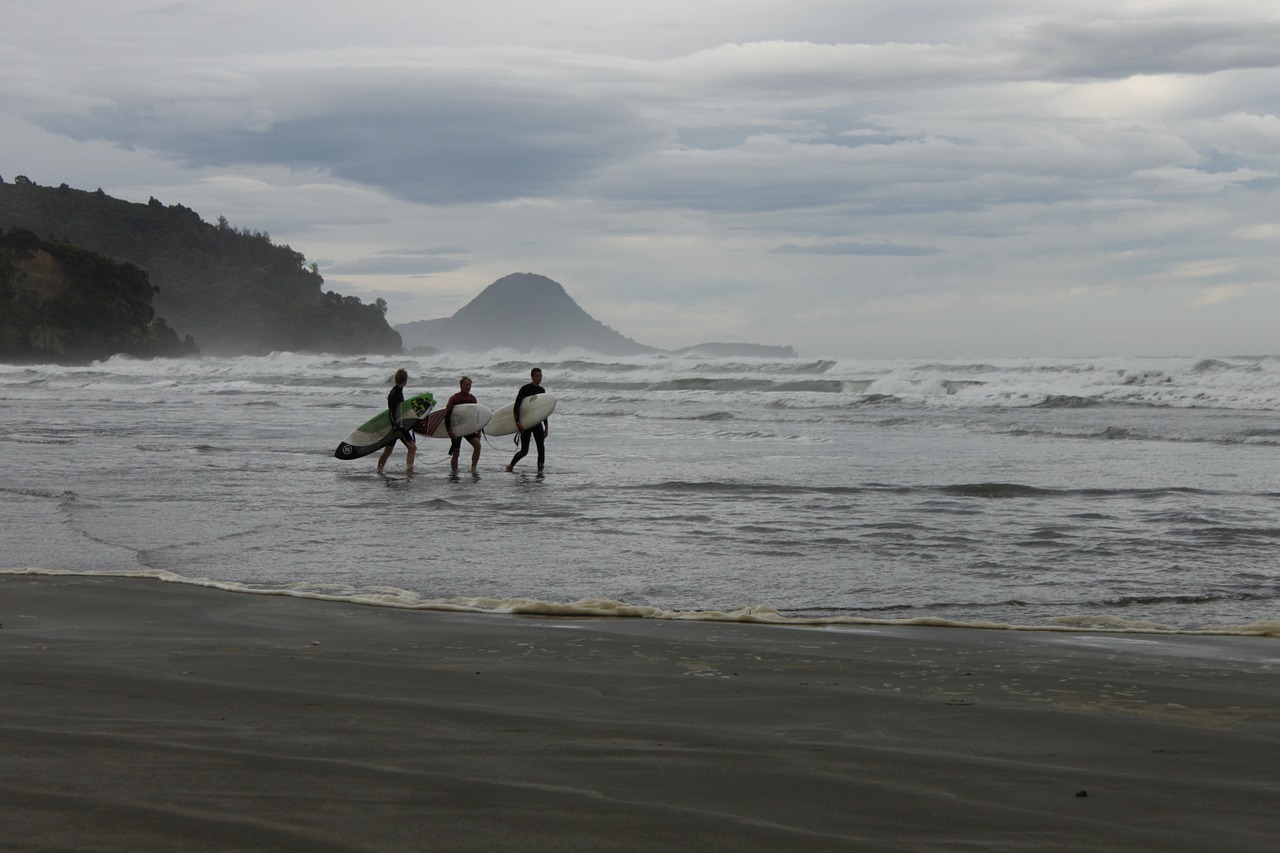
x=523 y=312
x=526 y=312
x=61 y=303
x=233 y=291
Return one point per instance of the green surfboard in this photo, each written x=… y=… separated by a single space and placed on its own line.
x=375 y=433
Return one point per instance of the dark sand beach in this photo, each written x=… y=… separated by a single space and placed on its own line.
x=142 y=715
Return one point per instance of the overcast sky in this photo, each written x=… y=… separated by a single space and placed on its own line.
x=925 y=178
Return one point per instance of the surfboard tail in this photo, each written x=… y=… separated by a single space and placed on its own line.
x=346 y=450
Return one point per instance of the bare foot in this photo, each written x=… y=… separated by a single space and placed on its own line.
x=510 y=468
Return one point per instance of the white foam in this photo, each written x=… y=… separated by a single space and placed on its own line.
x=608 y=608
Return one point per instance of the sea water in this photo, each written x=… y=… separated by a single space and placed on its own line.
x=1115 y=493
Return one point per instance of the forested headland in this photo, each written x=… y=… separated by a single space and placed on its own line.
x=232 y=291
x=63 y=303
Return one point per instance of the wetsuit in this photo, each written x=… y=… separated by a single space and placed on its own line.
x=456 y=400
x=537 y=431
x=394 y=400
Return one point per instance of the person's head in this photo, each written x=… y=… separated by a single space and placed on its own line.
x=536 y=375
x=465 y=383
x=402 y=376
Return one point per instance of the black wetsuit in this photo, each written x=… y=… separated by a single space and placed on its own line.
x=394 y=399
x=537 y=432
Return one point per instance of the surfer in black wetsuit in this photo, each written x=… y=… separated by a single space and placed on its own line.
x=538 y=431
x=455 y=441
x=394 y=399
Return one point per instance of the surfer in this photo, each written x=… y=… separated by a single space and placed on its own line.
x=394 y=398
x=455 y=441
x=538 y=431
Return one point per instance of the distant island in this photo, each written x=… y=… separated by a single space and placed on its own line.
x=526 y=312
x=230 y=291
x=723 y=350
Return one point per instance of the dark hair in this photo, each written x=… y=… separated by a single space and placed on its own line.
x=535 y=370
x=402 y=376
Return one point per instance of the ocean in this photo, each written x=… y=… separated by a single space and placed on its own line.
x=1126 y=494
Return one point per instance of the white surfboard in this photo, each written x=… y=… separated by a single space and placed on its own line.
x=467 y=418
x=533 y=410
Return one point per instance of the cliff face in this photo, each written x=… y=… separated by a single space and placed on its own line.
x=524 y=312
x=63 y=304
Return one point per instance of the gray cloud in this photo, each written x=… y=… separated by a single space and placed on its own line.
x=1118 y=49
x=491 y=127
x=885 y=249
x=435 y=137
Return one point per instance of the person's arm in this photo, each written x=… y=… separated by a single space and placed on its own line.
x=520 y=395
x=394 y=399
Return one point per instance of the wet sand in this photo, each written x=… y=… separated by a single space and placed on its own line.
x=140 y=715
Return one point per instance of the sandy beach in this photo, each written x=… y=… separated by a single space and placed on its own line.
x=142 y=715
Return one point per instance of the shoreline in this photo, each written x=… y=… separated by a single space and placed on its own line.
x=142 y=715
x=611 y=609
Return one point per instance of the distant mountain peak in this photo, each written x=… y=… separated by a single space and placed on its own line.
x=525 y=312
x=520 y=296
x=525 y=284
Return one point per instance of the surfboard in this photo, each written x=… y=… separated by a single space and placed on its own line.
x=467 y=418
x=533 y=410
x=375 y=433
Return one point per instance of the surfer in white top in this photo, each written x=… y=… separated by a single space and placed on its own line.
x=455 y=441
x=394 y=399
x=539 y=431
